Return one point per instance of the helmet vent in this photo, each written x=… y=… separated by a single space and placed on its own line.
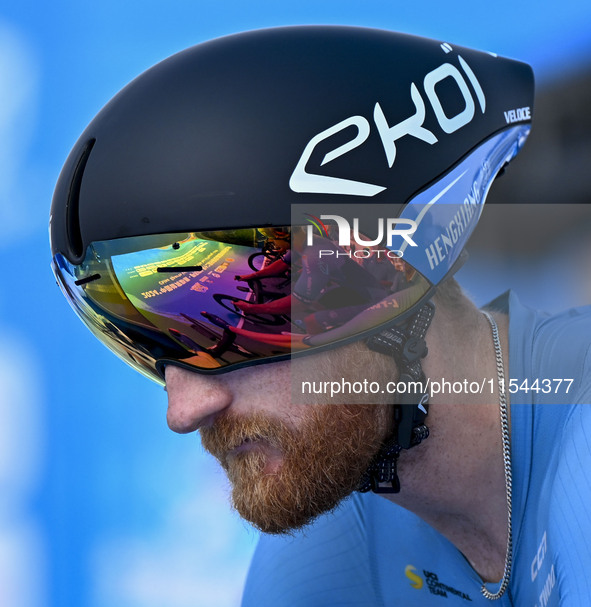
x=73 y=203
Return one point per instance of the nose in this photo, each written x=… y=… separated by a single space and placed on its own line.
x=193 y=399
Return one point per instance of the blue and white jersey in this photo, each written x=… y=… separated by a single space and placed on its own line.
x=370 y=552
x=551 y=443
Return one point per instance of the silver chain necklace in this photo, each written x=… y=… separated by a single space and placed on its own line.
x=506 y=462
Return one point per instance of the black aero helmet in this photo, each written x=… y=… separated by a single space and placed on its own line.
x=376 y=149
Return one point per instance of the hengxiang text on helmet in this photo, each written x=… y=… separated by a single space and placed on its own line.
x=439 y=248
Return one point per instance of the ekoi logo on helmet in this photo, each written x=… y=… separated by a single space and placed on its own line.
x=302 y=181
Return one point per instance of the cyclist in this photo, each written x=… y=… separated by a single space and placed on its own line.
x=465 y=496
x=328 y=288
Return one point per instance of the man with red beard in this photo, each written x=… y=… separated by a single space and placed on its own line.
x=283 y=463
x=412 y=477
x=289 y=463
x=450 y=527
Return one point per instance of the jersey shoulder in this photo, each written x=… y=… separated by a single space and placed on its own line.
x=569 y=536
x=323 y=565
x=369 y=552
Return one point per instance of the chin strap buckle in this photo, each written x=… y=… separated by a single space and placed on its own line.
x=407 y=346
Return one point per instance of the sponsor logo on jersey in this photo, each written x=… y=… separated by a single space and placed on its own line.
x=536 y=564
x=548 y=588
x=431 y=580
x=536 y=569
x=416 y=581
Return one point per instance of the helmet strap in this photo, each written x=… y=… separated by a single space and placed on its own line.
x=406 y=344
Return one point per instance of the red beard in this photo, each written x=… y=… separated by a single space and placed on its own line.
x=284 y=477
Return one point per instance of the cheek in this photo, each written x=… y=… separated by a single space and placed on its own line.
x=351 y=375
x=344 y=428
x=262 y=389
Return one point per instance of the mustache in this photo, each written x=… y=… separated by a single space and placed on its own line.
x=229 y=431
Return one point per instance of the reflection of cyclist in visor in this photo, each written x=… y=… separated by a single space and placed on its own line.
x=174 y=189
x=389 y=272
x=328 y=289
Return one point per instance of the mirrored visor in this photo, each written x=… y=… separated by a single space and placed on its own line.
x=218 y=300
x=214 y=301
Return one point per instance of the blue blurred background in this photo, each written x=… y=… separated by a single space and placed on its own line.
x=99 y=503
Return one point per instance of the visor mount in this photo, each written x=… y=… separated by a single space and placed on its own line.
x=406 y=344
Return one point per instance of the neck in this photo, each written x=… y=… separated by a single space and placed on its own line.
x=455 y=480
